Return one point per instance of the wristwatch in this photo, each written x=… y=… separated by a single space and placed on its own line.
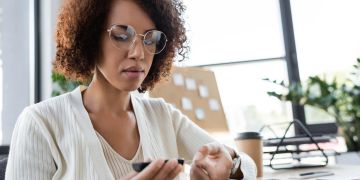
x=236 y=172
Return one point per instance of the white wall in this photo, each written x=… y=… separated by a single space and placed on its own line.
x=16 y=52
x=49 y=12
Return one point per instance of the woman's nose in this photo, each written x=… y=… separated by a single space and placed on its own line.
x=136 y=50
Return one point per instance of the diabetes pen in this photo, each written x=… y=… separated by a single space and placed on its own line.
x=315 y=174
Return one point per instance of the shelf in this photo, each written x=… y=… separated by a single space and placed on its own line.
x=295 y=140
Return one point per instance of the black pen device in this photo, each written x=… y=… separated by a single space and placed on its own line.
x=139 y=166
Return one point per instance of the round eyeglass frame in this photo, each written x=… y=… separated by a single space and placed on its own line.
x=112 y=27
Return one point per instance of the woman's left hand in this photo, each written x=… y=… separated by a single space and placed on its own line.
x=212 y=162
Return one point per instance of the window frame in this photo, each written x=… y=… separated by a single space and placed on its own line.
x=294 y=75
x=290 y=57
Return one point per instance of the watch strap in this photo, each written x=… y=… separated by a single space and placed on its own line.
x=236 y=172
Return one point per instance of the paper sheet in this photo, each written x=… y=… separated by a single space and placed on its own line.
x=186 y=103
x=214 y=105
x=190 y=84
x=178 y=79
x=200 y=113
x=203 y=91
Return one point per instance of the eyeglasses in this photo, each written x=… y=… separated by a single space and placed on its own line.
x=123 y=37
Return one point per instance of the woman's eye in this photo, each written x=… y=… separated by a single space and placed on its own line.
x=148 y=42
x=120 y=37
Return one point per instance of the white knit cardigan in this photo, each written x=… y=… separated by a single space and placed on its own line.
x=55 y=139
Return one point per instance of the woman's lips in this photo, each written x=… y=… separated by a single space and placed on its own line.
x=134 y=68
x=134 y=72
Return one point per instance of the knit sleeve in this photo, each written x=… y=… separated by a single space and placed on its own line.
x=30 y=156
x=189 y=136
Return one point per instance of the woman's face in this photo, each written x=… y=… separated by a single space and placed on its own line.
x=126 y=64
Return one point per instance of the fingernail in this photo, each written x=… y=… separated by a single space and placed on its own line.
x=174 y=162
x=199 y=155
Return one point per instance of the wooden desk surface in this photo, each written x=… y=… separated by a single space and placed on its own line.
x=341 y=172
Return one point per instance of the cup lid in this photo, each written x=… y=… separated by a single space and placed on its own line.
x=248 y=135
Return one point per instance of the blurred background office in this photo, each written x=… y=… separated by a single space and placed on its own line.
x=242 y=41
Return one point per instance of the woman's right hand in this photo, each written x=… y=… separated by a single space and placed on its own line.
x=157 y=170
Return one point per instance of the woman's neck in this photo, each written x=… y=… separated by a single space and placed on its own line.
x=101 y=97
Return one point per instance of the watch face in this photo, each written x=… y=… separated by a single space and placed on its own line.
x=236 y=171
x=233 y=169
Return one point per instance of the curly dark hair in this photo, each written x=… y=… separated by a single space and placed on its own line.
x=78 y=35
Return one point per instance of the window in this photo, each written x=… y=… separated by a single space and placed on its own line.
x=233 y=30
x=244 y=97
x=327 y=42
x=242 y=42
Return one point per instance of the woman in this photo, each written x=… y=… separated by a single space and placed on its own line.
x=96 y=132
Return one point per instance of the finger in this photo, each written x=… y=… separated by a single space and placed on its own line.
x=152 y=170
x=214 y=165
x=201 y=154
x=202 y=163
x=212 y=158
x=166 y=169
x=198 y=174
x=216 y=168
x=214 y=148
x=200 y=157
x=175 y=172
x=204 y=150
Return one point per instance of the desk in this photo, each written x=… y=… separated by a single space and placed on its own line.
x=341 y=172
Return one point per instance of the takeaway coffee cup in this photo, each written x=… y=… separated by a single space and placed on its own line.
x=251 y=144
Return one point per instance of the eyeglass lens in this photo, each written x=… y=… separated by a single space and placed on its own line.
x=122 y=37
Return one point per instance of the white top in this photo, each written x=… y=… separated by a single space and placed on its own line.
x=118 y=165
x=55 y=139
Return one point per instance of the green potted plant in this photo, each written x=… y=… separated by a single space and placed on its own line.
x=340 y=99
x=61 y=84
